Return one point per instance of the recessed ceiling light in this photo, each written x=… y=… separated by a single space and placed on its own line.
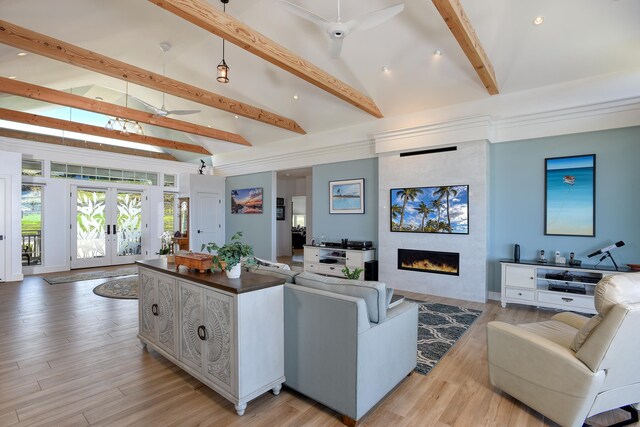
x=236 y=116
x=22 y=53
x=295 y=97
x=386 y=69
x=538 y=20
x=99 y=98
x=208 y=126
x=13 y=77
x=437 y=52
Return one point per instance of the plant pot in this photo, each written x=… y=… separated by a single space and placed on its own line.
x=235 y=271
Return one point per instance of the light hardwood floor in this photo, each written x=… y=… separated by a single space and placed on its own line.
x=69 y=357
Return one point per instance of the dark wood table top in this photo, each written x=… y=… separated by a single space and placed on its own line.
x=247 y=282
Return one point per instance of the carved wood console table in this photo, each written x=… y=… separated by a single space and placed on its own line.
x=227 y=333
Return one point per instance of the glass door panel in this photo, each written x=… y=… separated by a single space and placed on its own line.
x=91 y=222
x=129 y=225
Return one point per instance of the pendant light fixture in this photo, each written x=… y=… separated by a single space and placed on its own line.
x=223 y=68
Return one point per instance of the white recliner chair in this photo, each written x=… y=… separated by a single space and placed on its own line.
x=571 y=367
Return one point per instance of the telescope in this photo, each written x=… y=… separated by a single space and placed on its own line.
x=606 y=252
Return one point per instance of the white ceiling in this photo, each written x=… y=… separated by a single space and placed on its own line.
x=578 y=39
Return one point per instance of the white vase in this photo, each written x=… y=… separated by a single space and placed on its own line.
x=235 y=271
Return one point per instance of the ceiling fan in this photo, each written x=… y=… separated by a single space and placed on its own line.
x=338 y=30
x=162 y=111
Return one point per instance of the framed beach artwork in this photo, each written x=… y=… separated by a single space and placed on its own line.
x=430 y=209
x=570 y=196
x=280 y=213
x=346 y=197
x=246 y=201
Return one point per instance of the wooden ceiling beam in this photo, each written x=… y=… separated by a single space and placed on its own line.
x=202 y=14
x=78 y=143
x=22 y=38
x=53 y=96
x=459 y=24
x=66 y=125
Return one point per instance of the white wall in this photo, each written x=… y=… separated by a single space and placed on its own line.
x=466 y=166
x=57 y=203
x=11 y=170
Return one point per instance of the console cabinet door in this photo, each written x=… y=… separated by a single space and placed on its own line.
x=520 y=276
x=167 y=300
x=218 y=345
x=147 y=283
x=191 y=320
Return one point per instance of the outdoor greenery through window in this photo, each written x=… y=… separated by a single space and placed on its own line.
x=169 y=180
x=32 y=167
x=169 y=212
x=31 y=208
x=92 y=173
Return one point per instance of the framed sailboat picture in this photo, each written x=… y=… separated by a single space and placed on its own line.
x=570 y=196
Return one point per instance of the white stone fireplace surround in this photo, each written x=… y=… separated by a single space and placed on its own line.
x=467 y=165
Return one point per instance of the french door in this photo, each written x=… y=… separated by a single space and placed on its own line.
x=108 y=226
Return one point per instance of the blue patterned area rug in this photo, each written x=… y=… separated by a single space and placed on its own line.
x=440 y=326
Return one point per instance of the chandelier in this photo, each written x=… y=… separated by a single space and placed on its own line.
x=124 y=126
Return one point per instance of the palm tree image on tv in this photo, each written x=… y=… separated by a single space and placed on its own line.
x=442 y=209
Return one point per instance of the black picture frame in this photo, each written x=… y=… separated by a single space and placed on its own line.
x=280 y=213
x=279 y=201
x=570 y=196
x=408 y=218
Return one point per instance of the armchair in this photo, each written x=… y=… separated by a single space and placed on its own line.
x=571 y=367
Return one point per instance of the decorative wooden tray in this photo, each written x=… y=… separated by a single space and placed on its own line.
x=198 y=261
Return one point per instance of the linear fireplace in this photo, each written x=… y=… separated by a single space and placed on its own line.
x=429 y=261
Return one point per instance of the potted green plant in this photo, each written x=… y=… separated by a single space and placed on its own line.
x=353 y=275
x=228 y=257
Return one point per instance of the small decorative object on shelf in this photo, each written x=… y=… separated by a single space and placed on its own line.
x=200 y=262
x=229 y=255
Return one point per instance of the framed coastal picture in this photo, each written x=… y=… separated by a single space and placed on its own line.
x=280 y=213
x=570 y=196
x=430 y=209
x=246 y=201
x=347 y=196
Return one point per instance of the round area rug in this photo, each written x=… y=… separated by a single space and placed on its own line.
x=125 y=288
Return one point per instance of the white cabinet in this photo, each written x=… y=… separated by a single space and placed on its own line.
x=157 y=307
x=227 y=333
x=331 y=261
x=207 y=327
x=550 y=285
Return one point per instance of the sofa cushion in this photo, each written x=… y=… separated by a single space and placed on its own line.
x=374 y=293
x=286 y=275
x=266 y=263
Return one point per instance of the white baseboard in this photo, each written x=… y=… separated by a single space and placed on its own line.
x=495 y=296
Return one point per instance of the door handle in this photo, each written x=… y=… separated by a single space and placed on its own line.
x=108 y=229
x=202 y=332
x=567 y=299
x=114 y=229
x=154 y=309
x=198 y=231
x=1 y=237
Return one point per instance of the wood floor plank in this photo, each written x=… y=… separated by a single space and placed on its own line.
x=70 y=357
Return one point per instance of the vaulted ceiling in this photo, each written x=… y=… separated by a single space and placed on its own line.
x=577 y=40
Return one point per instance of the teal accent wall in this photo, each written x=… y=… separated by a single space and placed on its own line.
x=517 y=197
x=346 y=226
x=257 y=229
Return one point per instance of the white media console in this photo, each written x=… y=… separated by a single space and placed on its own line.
x=529 y=282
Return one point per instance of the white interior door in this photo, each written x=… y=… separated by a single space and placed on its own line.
x=108 y=226
x=3 y=236
x=206 y=220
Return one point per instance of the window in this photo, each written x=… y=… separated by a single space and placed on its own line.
x=169 y=180
x=298 y=220
x=91 y=173
x=170 y=211
x=31 y=207
x=32 y=168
